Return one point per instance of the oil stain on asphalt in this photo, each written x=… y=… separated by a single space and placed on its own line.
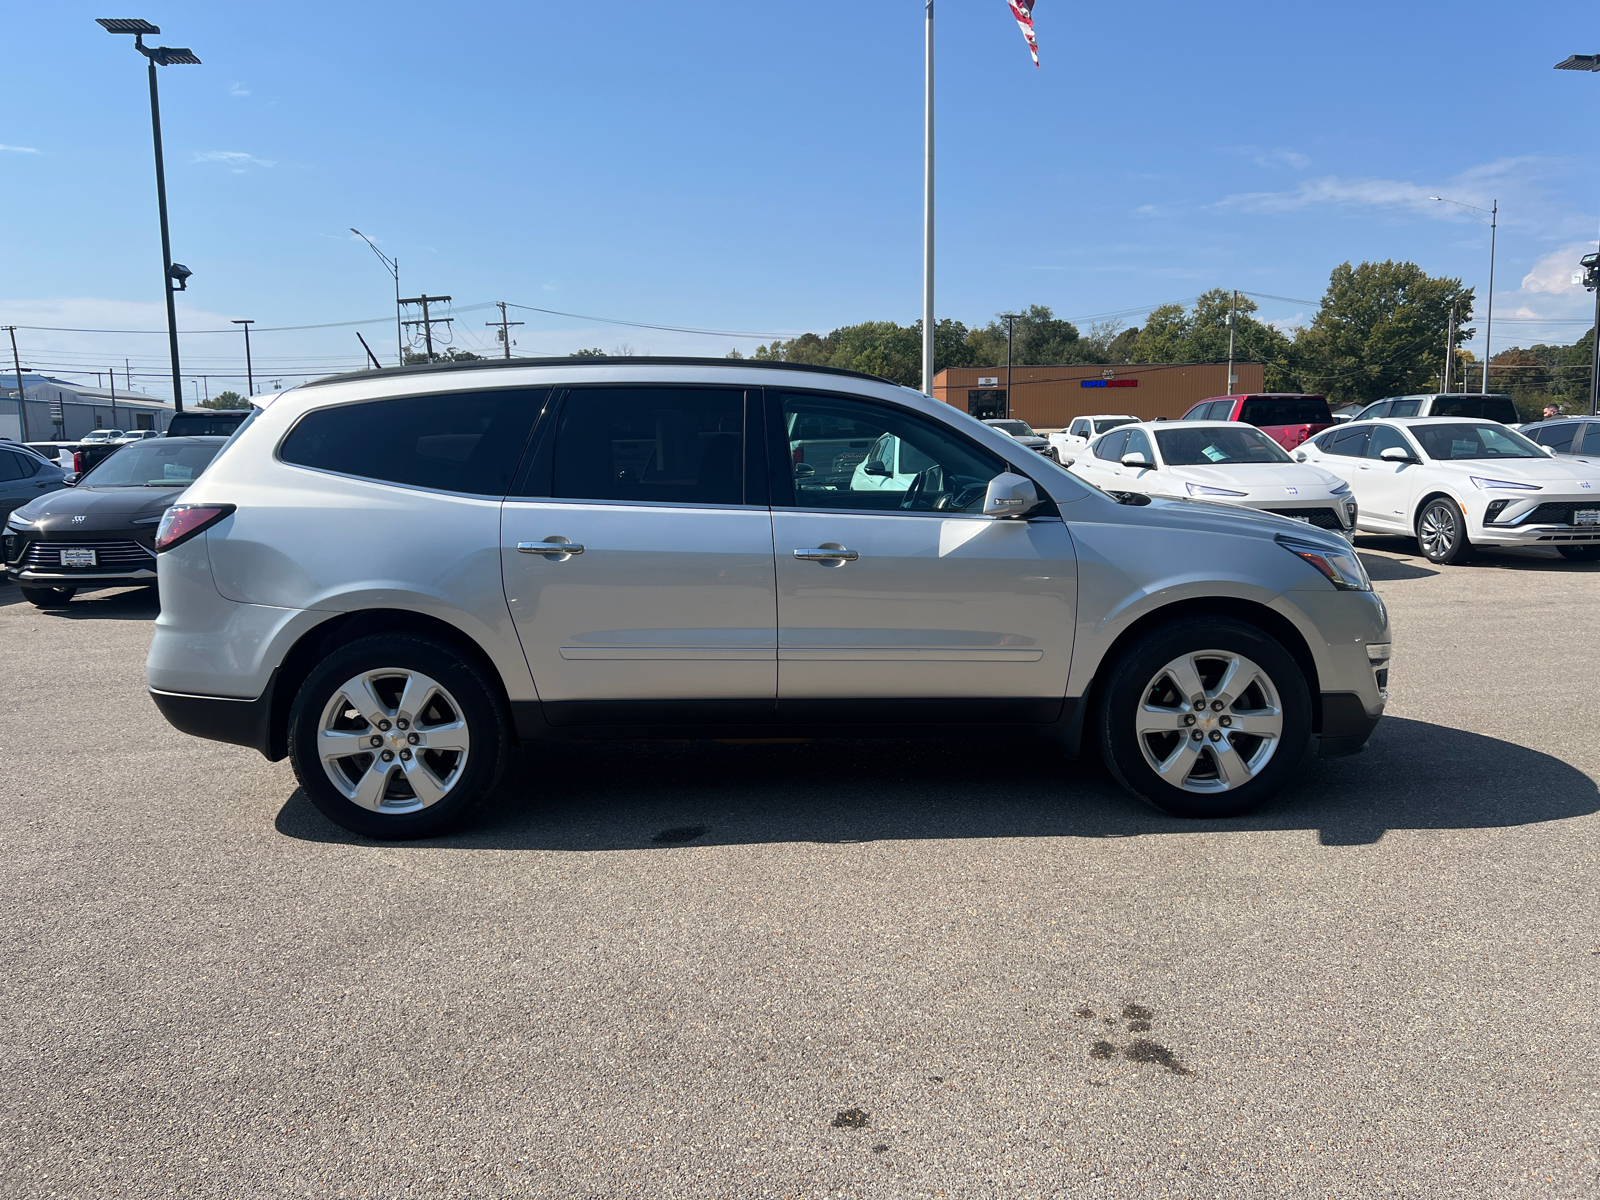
x=1139 y=1050
x=850 y=1118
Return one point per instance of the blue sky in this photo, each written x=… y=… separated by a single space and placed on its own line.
x=758 y=167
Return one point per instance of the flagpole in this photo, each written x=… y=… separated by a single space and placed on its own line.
x=927 y=213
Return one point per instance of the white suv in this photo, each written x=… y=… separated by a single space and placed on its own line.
x=395 y=577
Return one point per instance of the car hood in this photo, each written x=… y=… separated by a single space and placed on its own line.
x=1526 y=470
x=100 y=508
x=1220 y=517
x=1263 y=479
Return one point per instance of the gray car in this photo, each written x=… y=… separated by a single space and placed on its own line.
x=25 y=475
x=1576 y=437
x=394 y=577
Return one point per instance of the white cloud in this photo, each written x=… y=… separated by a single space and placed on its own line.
x=238 y=89
x=237 y=160
x=20 y=149
x=1331 y=189
x=1553 y=272
x=1278 y=157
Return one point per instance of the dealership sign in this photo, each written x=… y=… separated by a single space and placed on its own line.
x=1108 y=383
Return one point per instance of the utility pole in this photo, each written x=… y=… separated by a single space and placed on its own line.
x=1009 y=319
x=1591 y=280
x=1233 y=319
x=428 y=322
x=1450 y=352
x=22 y=403
x=249 y=371
x=505 y=326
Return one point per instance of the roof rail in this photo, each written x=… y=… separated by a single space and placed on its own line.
x=500 y=364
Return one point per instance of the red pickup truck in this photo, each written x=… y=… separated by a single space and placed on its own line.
x=1288 y=418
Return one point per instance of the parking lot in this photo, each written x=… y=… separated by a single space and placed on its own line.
x=810 y=969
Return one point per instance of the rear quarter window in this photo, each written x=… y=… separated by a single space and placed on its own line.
x=468 y=442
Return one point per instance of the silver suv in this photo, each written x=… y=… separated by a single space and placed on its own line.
x=396 y=577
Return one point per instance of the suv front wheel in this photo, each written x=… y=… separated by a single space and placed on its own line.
x=1205 y=717
x=396 y=736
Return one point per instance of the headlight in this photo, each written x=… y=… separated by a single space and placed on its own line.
x=1341 y=566
x=1339 y=488
x=1199 y=489
x=13 y=521
x=1504 y=485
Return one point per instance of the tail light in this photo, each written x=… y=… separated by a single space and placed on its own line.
x=77 y=462
x=183 y=521
x=799 y=455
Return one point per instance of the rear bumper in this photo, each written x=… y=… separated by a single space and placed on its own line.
x=1346 y=724
x=237 y=721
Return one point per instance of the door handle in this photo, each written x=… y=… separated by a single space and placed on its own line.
x=549 y=547
x=832 y=554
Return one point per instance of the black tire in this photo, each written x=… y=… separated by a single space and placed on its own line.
x=1133 y=680
x=466 y=691
x=48 y=597
x=1579 y=553
x=1442 y=532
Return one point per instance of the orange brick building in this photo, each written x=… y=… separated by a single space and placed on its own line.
x=1049 y=397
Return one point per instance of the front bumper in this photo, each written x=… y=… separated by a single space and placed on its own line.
x=1346 y=724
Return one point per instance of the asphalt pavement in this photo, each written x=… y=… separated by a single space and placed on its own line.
x=817 y=969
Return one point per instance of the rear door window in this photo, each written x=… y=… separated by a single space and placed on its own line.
x=652 y=445
x=1286 y=410
x=1590 y=442
x=11 y=467
x=468 y=442
x=1221 y=410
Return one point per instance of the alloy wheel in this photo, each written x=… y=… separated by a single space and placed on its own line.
x=392 y=740
x=1209 y=721
x=1438 y=531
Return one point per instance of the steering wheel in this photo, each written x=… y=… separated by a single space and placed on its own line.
x=926 y=490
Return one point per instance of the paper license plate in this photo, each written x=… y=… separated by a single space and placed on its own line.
x=1586 y=516
x=1302 y=520
x=77 y=557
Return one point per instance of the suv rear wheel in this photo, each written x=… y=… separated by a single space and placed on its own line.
x=1205 y=717
x=397 y=736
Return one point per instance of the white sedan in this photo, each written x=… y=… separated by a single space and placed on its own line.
x=1068 y=443
x=1453 y=483
x=1227 y=462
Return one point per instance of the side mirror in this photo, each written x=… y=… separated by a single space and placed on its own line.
x=1010 y=497
x=1396 y=454
x=802 y=470
x=1550 y=450
x=875 y=468
x=1299 y=456
x=1138 y=462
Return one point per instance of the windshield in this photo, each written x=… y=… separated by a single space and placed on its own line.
x=1217 y=447
x=1015 y=428
x=1451 y=442
x=1112 y=423
x=1286 y=410
x=1492 y=408
x=156 y=462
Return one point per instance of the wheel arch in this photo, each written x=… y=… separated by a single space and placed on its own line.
x=1439 y=493
x=320 y=640
x=1270 y=622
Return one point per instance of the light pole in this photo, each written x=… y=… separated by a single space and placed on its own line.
x=1591 y=280
x=1494 y=227
x=1009 y=319
x=171 y=272
x=249 y=371
x=393 y=264
x=927 y=210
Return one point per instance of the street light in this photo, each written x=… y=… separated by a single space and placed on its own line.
x=162 y=56
x=1010 y=319
x=1591 y=280
x=1494 y=224
x=1579 y=62
x=249 y=371
x=394 y=269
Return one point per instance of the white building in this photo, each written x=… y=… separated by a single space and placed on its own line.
x=59 y=411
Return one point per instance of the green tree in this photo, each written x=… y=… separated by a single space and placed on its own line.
x=593 y=352
x=1380 y=332
x=1200 y=335
x=451 y=355
x=224 y=400
x=1038 y=338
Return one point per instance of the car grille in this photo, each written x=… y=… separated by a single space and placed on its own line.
x=1322 y=518
x=46 y=556
x=1556 y=512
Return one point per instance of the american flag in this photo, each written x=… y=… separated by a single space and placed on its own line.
x=1022 y=10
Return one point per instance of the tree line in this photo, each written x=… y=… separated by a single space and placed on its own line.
x=1380 y=330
